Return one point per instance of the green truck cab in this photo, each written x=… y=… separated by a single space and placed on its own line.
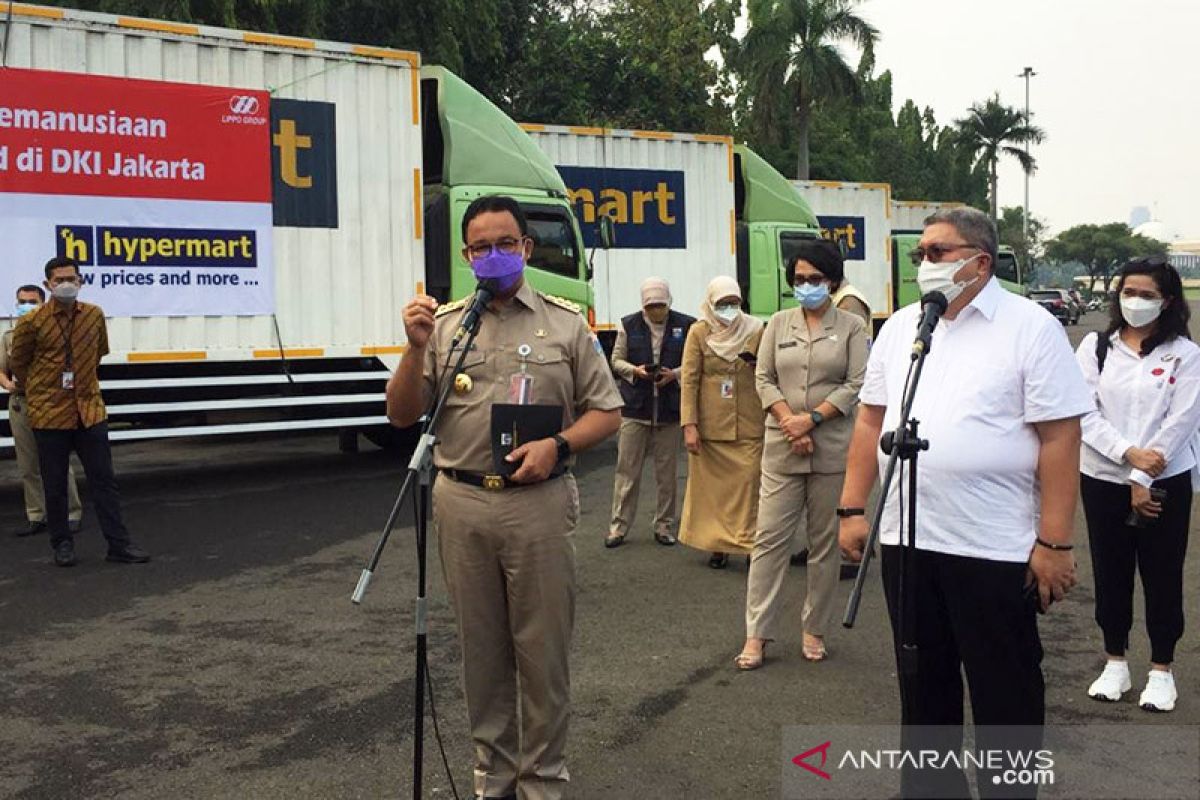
x=470 y=149
x=771 y=219
x=1007 y=270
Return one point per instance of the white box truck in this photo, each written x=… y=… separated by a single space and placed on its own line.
x=252 y=211
x=671 y=199
x=686 y=207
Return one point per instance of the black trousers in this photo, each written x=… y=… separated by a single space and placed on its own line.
x=1156 y=551
x=91 y=445
x=972 y=615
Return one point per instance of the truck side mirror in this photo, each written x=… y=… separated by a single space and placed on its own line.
x=608 y=233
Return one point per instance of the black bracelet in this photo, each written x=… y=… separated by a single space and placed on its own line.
x=1052 y=546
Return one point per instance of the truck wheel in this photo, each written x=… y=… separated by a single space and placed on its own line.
x=387 y=437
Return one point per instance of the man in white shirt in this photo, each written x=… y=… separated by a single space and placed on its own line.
x=999 y=402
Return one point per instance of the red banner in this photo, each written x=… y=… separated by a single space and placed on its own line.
x=72 y=134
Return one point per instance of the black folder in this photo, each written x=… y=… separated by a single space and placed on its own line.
x=514 y=425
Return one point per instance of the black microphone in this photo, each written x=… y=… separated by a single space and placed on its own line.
x=484 y=293
x=933 y=305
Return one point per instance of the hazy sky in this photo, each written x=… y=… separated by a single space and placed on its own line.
x=1117 y=92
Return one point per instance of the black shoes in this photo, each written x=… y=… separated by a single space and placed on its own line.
x=718 y=560
x=129 y=554
x=34 y=528
x=64 y=554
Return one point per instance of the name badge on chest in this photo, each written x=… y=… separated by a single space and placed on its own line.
x=727 y=389
x=68 y=379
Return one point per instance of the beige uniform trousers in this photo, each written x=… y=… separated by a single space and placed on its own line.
x=636 y=438
x=509 y=562
x=785 y=503
x=30 y=468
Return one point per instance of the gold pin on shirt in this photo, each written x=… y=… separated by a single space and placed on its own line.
x=540 y=333
x=463 y=383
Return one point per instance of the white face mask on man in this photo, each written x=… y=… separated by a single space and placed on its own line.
x=939 y=277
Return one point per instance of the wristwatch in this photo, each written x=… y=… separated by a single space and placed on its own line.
x=817 y=418
x=564 y=447
x=851 y=512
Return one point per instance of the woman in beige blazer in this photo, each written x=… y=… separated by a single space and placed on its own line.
x=722 y=421
x=810 y=367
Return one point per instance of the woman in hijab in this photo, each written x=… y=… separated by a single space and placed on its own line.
x=722 y=421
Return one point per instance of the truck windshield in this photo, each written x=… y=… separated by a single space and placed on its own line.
x=554 y=246
x=1006 y=268
x=789 y=244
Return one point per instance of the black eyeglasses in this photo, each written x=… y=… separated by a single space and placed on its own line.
x=811 y=280
x=478 y=250
x=936 y=252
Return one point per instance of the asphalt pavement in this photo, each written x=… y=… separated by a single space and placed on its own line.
x=234 y=664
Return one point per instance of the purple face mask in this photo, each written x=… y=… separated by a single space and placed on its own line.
x=503 y=269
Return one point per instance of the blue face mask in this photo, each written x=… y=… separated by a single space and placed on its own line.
x=25 y=308
x=811 y=296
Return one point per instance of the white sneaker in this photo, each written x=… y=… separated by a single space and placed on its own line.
x=1112 y=683
x=1159 y=694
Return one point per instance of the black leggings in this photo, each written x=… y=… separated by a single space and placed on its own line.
x=1157 y=551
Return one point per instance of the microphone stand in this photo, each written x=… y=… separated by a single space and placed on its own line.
x=420 y=472
x=902 y=444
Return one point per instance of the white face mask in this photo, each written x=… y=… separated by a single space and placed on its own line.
x=939 y=277
x=1138 y=311
x=726 y=314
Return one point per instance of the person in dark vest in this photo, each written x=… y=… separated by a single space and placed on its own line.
x=647 y=358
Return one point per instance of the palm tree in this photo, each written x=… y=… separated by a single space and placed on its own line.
x=789 y=59
x=991 y=130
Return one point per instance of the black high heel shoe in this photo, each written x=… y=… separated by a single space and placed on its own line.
x=718 y=560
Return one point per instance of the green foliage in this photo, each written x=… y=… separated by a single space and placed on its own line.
x=789 y=63
x=991 y=130
x=1010 y=227
x=1101 y=249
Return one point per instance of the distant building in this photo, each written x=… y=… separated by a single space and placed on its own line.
x=1139 y=215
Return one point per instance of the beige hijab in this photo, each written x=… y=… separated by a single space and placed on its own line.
x=727 y=339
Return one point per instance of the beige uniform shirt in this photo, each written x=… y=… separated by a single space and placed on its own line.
x=564 y=359
x=716 y=395
x=805 y=371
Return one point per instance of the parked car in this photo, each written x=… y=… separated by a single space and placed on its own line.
x=1059 y=303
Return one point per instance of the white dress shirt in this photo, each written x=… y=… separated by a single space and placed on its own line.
x=1150 y=403
x=1001 y=366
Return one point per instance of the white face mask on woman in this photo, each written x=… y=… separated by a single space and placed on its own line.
x=1140 y=311
x=727 y=314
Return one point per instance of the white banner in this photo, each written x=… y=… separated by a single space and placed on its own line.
x=145 y=257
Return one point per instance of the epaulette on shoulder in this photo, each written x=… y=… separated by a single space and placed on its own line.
x=446 y=308
x=562 y=303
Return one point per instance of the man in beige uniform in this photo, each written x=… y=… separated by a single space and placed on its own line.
x=28 y=298
x=507 y=544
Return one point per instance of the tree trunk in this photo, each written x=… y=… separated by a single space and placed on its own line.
x=992 y=190
x=802 y=143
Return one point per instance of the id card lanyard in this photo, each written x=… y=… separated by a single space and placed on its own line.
x=520 y=384
x=68 y=374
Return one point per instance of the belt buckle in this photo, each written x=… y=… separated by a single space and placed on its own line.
x=493 y=483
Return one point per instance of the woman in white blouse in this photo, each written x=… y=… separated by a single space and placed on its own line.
x=1138 y=444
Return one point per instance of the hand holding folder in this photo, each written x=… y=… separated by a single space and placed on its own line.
x=516 y=425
